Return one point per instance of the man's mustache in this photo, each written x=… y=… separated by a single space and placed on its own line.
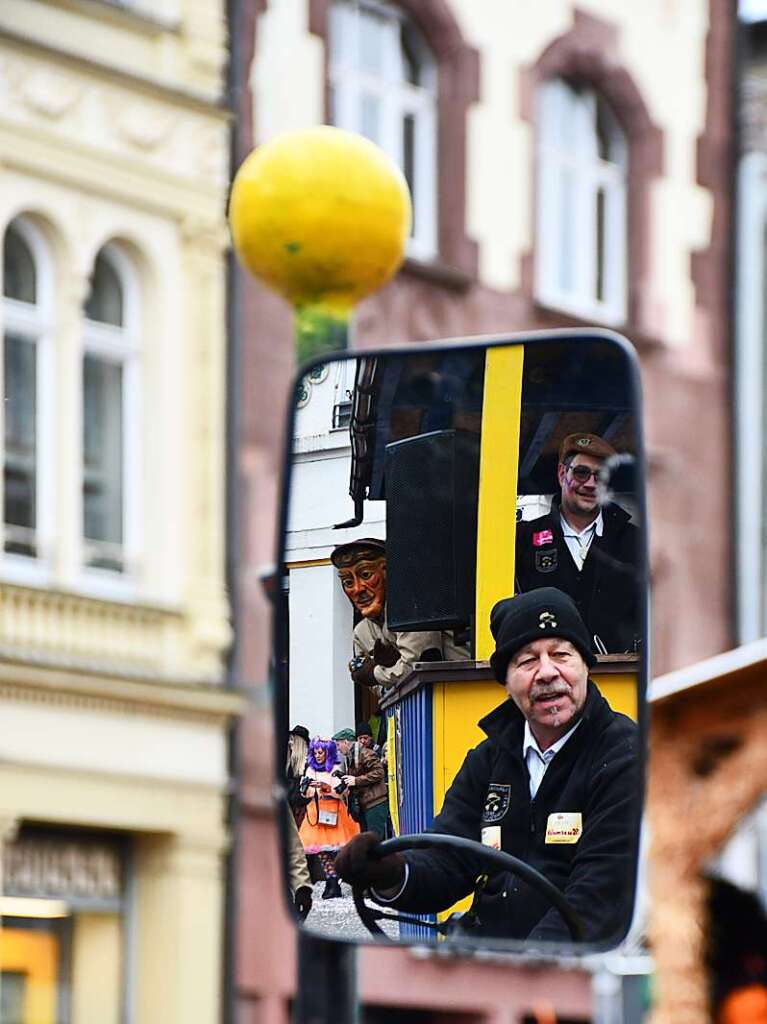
x=549 y=692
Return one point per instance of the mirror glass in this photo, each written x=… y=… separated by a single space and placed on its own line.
x=423 y=488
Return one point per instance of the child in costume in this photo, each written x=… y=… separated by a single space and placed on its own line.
x=327 y=824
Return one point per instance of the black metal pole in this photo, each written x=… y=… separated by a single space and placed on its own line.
x=326 y=986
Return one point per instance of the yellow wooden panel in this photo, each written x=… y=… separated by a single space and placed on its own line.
x=391 y=771
x=619 y=690
x=456 y=709
x=498 y=467
x=35 y=955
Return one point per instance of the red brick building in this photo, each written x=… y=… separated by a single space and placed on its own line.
x=645 y=93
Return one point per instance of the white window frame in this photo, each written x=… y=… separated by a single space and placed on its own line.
x=397 y=99
x=571 y=235
x=35 y=323
x=120 y=345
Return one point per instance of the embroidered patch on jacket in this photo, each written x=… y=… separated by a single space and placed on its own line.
x=496 y=802
x=542 y=537
x=546 y=561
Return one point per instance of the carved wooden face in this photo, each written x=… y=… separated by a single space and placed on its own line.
x=364 y=583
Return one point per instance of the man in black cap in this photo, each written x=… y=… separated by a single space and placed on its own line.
x=556 y=783
x=584 y=548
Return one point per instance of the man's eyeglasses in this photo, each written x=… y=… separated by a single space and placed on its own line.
x=583 y=473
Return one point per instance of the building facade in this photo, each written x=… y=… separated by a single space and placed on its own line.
x=560 y=177
x=114 y=621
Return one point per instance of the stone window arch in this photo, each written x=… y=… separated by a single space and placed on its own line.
x=588 y=55
x=111 y=423
x=456 y=66
x=27 y=368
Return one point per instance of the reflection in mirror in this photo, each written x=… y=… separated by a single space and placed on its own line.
x=464 y=521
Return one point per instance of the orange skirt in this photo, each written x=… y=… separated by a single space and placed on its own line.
x=323 y=837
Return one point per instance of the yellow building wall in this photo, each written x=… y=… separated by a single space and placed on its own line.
x=112 y=130
x=97 y=966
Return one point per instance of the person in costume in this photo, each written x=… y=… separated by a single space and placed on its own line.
x=327 y=824
x=383 y=657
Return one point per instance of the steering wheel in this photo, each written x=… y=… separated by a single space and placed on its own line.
x=496 y=859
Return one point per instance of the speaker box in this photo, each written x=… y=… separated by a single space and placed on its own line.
x=432 y=483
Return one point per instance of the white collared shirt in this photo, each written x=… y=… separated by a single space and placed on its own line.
x=538 y=760
x=578 y=543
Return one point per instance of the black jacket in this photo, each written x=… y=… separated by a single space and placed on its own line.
x=605 y=590
x=596 y=773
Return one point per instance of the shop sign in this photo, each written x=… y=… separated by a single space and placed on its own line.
x=69 y=869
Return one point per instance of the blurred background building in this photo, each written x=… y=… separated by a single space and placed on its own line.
x=570 y=164
x=114 y=627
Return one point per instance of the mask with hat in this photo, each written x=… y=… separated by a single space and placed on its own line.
x=361 y=568
x=536 y=615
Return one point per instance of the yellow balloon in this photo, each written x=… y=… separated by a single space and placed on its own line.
x=321 y=215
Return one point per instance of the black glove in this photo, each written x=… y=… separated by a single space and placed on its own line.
x=385 y=654
x=364 y=674
x=302 y=900
x=354 y=865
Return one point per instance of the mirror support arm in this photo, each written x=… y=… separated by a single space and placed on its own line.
x=326 y=982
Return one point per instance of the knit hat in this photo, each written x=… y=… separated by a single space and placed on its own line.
x=363 y=729
x=536 y=615
x=344 y=734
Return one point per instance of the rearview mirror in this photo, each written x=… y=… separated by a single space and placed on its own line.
x=501 y=756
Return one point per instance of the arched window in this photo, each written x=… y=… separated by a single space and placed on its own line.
x=26 y=317
x=383 y=84
x=109 y=417
x=581 y=250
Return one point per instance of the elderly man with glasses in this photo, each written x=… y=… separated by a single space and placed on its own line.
x=585 y=548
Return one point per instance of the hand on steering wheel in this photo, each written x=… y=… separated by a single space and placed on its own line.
x=384 y=866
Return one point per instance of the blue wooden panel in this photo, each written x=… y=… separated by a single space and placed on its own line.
x=412 y=720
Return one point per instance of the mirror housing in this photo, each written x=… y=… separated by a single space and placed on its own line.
x=450 y=451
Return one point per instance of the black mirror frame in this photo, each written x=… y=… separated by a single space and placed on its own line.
x=516 y=949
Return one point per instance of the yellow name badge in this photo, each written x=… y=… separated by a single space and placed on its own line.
x=564 y=827
x=491 y=836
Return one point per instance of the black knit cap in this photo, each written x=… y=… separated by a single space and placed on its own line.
x=363 y=729
x=536 y=615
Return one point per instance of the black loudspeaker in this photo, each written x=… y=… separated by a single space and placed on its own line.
x=432 y=483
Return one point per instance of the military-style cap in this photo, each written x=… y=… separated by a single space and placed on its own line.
x=585 y=444
x=371 y=546
x=536 y=615
x=344 y=734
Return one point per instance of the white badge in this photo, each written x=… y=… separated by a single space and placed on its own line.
x=564 y=827
x=491 y=836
